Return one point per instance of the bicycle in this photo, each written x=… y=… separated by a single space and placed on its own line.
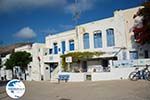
x=140 y=74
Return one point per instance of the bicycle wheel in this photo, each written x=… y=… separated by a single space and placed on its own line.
x=148 y=75
x=133 y=76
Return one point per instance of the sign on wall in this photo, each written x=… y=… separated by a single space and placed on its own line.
x=68 y=59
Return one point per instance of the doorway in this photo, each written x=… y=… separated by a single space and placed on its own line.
x=52 y=68
x=146 y=55
x=105 y=65
x=84 y=66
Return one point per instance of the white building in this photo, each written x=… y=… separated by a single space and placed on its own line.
x=111 y=35
x=35 y=70
x=5 y=74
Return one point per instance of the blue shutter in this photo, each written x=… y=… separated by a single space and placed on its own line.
x=63 y=47
x=55 y=48
x=71 y=45
x=86 y=41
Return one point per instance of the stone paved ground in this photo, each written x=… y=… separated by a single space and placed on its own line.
x=2 y=89
x=102 y=90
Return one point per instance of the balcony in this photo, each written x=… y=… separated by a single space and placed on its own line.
x=52 y=58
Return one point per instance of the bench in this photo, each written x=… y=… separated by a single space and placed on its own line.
x=63 y=78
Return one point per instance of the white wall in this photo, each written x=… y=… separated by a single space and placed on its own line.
x=90 y=28
x=2 y=72
x=37 y=66
x=8 y=74
x=46 y=72
x=26 y=48
x=74 y=77
x=58 y=38
x=115 y=74
x=51 y=58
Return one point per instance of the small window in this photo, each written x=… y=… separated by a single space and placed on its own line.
x=46 y=53
x=46 y=68
x=59 y=49
x=133 y=55
x=50 y=51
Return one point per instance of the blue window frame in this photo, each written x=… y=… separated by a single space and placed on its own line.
x=86 y=41
x=133 y=55
x=55 y=48
x=98 y=39
x=110 y=37
x=71 y=45
x=63 y=46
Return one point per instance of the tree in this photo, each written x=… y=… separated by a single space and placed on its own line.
x=9 y=64
x=141 y=27
x=20 y=58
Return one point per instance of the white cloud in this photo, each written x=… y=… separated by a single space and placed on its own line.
x=26 y=33
x=13 y=5
x=9 y=5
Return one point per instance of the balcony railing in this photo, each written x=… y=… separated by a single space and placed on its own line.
x=52 y=58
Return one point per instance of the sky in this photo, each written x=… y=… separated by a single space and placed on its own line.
x=33 y=20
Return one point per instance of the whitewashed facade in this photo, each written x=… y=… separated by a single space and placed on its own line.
x=35 y=70
x=111 y=35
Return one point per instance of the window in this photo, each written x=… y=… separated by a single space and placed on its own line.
x=98 y=39
x=63 y=47
x=55 y=48
x=71 y=45
x=110 y=37
x=59 y=49
x=50 y=51
x=133 y=55
x=86 y=41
